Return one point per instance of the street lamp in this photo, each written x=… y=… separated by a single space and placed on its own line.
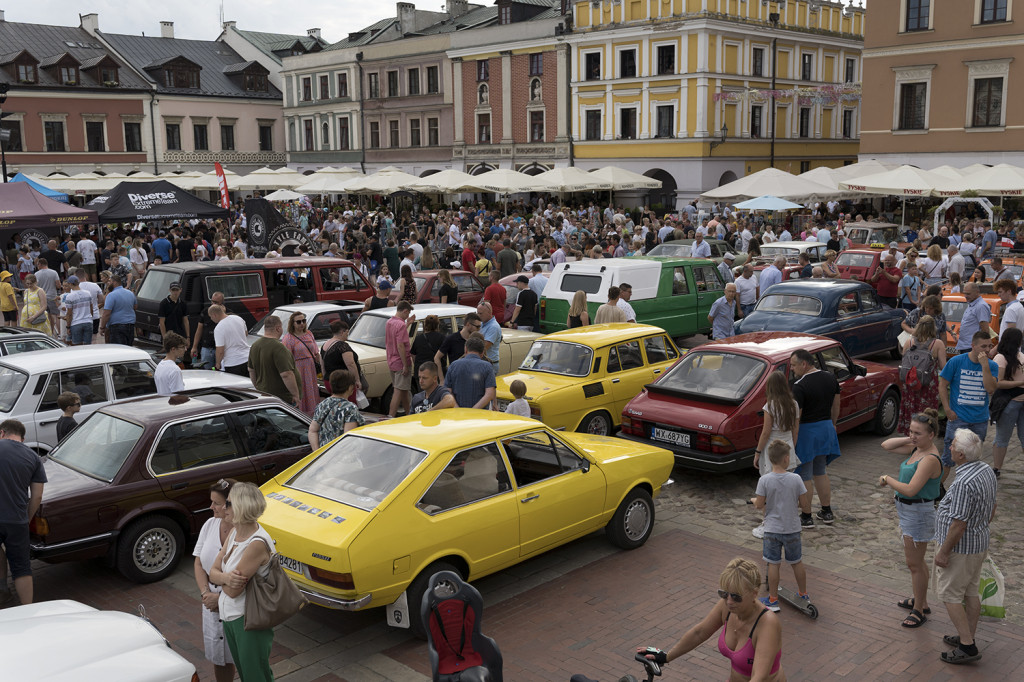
x=774 y=19
x=722 y=134
x=5 y=134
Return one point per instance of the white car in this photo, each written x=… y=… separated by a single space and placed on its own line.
x=93 y=645
x=318 y=317
x=100 y=374
x=791 y=250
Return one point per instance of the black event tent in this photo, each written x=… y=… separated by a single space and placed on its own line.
x=157 y=200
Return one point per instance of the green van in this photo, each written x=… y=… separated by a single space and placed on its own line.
x=672 y=293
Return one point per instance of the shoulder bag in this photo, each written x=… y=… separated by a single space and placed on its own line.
x=272 y=599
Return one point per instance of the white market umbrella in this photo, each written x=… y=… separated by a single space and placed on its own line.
x=823 y=175
x=975 y=168
x=283 y=195
x=1003 y=180
x=327 y=181
x=185 y=181
x=507 y=181
x=386 y=181
x=265 y=178
x=571 y=179
x=626 y=179
x=905 y=181
x=777 y=183
x=862 y=168
x=141 y=176
x=210 y=183
x=948 y=172
x=767 y=203
x=448 y=181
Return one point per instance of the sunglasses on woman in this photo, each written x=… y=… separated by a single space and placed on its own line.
x=722 y=594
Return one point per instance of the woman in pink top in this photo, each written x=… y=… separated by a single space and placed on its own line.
x=750 y=636
x=300 y=343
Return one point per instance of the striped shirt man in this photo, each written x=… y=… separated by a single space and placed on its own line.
x=971 y=499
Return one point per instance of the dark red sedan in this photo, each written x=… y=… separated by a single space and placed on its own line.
x=428 y=287
x=707 y=408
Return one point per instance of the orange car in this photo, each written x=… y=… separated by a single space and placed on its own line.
x=954 y=306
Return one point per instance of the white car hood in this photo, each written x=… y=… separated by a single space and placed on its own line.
x=93 y=645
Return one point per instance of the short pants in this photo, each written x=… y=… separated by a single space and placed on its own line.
x=774 y=543
x=960 y=578
x=917 y=521
x=401 y=381
x=14 y=538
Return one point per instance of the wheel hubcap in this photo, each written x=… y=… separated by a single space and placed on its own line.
x=598 y=426
x=636 y=520
x=154 y=550
x=890 y=412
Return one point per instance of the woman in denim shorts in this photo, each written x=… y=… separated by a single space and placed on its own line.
x=917 y=488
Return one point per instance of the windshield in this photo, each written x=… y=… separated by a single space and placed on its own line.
x=674 y=250
x=787 y=251
x=99 y=446
x=789 y=303
x=368 y=330
x=358 y=471
x=954 y=310
x=855 y=260
x=157 y=283
x=714 y=374
x=558 y=357
x=11 y=383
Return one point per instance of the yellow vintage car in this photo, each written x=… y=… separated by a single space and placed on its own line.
x=370 y=517
x=581 y=379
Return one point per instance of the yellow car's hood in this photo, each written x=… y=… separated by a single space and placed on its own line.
x=369 y=354
x=538 y=384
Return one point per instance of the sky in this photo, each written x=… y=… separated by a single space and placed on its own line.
x=200 y=19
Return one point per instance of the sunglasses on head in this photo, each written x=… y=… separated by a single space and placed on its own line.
x=222 y=484
x=722 y=594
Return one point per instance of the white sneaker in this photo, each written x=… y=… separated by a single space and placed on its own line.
x=758 y=532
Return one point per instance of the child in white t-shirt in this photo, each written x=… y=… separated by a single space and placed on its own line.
x=518 y=406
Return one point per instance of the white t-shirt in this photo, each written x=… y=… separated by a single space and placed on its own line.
x=746 y=289
x=625 y=307
x=1014 y=314
x=138 y=259
x=168 y=378
x=93 y=290
x=230 y=333
x=87 y=248
x=518 y=406
x=81 y=305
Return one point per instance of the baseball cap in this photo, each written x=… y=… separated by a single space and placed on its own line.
x=71 y=280
x=383 y=283
x=523 y=278
x=893 y=245
x=175 y=285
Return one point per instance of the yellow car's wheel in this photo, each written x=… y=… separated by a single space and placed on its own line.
x=596 y=424
x=633 y=520
x=416 y=590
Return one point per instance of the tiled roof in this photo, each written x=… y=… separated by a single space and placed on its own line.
x=211 y=56
x=364 y=36
x=233 y=69
x=474 y=18
x=538 y=3
x=46 y=42
x=55 y=59
x=271 y=43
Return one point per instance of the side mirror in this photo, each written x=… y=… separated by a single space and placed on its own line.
x=585 y=467
x=860 y=370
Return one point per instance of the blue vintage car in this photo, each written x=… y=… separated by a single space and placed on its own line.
x=845 y=310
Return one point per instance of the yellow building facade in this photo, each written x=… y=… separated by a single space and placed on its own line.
x=681 y=90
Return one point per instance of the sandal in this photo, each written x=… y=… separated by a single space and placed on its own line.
x=958 y=656
x=952 y=640
x=908 y=603
x=915 y=620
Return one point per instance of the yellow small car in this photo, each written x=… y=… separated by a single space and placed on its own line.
x=367 y=520
x=581 y=379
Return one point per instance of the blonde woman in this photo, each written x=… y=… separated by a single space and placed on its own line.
x=33 y=313
x=449 y=292
x=932 y=267
x=578 y=315
x=139 y=260
x=829 y=267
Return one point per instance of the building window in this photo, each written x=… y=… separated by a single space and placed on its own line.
x=27 y=73
x=918 y=12
x=433 y=84
x=483 y=70
x=851 y=71
x=627 y=123
x=342 y=85
x=69 y=75
x=593 y=125
x=913 y=97
x=325 y=135
x=805 y=166
x=373 y=81
x=848 y=124
x=536 y=126
x=757 y=62
x=227 y=137
x=200 y=138
x=993 y=11
x=173 y=133
x=108 y=74
x=132 y=137
x=414 y=81
x=535 y=90
x=266 y=137
x=94 y=135
x=483 y=128
x=433 y=137
x=307 y=89
x=392 y=84
x=805 y=122
x=627 y=64
x=505 y=14
x=414 y=132
x=807 y=67
x=592 y=67
x=536 y=64
x=988 y=102
x=343 y=142
x=374 y=135
x=666 y=59
x=181 y=77
x=255 y=82
x=307 y=135
x=756 y=118
x=53 y=132
x=393 y=139
x=666 y=116
x=325 y=88
x=13 y=144
x=482 y=94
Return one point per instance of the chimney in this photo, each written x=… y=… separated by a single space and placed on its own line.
x=90 y=23
x=456 y=8
x=406 y=13
x=166 y=29
x=313 y=33
x=229 y=24
x=2 y=15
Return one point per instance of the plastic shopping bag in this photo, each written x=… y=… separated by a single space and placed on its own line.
x=991 y=590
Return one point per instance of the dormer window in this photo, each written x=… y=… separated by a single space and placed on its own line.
x=27 y=73
x=21 y=66
x=255 y=82
x=505 y=13
x=108 y=74
x=179 y=77
x=68 y=75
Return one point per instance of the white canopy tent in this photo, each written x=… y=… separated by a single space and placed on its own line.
x=777 y=183
x=905 y=181
x=448 y=181
x=507 y=181
x=385 y=182
x=571 y=179
x=209 y=181
x=327 y=181
x=265 y=178
x=626 y=179
x=283 y=195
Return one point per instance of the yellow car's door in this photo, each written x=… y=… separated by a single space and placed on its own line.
x=559 y=494
x=627 y=375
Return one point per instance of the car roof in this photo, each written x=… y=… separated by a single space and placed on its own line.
x=319 y=307
x=423 y=309
x=792 y=245
x=433 y=273
x=62 y=358
x=160 y=408
x=773 y=345
x=819 y=286
x=19 y=332
x=459 y=428
x=251 y=263
x=600 y=335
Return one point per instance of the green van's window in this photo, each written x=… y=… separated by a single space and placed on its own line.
x=707 y=278
x=680 y=286
x=590 y=284
x=244 y=285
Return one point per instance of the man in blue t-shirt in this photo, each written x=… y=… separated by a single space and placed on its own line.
x=117 y=322
x=988 y=242
x=471 y=377
x=162 y=247
x=965 y=384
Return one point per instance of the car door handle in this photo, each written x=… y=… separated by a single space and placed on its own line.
x=527 y=499
x=179 y=486
x=48 y=422
x=615 y=381
x=657 y=371
x=268 y=467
